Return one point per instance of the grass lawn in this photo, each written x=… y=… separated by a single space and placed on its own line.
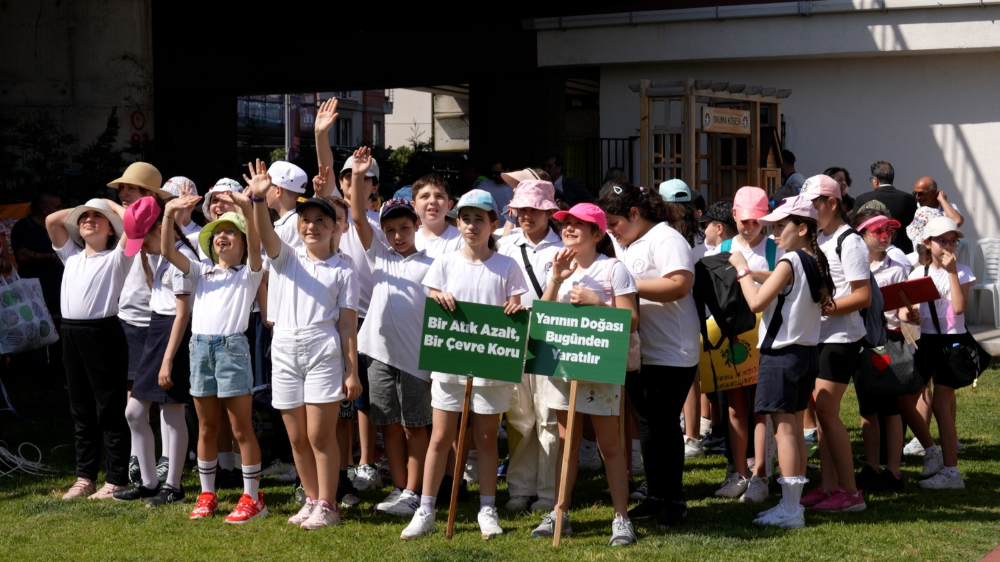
x=915 y=525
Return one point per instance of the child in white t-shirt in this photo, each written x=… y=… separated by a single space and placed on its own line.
x=432 y=201
x=221 y=375
x=791 y=300
x=476 y=273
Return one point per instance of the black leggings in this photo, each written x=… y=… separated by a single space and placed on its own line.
x=657 y=393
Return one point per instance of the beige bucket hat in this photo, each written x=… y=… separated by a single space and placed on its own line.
x=143 y=175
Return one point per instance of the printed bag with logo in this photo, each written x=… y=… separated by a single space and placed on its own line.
x=25 y=322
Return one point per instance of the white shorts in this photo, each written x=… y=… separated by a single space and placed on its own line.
x=594 y=398
x=306 y=366
x=485 y=399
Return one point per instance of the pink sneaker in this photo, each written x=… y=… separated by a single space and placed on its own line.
x=842 y=500
x=814 y=497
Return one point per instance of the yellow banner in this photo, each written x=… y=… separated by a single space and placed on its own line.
x=734 y=366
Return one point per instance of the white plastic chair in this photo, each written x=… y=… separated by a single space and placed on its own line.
x=989 y=281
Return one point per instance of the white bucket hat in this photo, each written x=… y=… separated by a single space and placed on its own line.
x=99 y=205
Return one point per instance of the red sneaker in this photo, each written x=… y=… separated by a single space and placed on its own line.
x=247 y=509
x=842 y=500
x=814 y=497
x=205 y=507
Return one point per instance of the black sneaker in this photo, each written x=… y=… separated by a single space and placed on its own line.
x=229 y=479
x=135 y=492
x=673 y=514
x=889 y=483
x=162 y=467
x=167 y=494
x=868 y=480
x=648 y=509
x=134 y=475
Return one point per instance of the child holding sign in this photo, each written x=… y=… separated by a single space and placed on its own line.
x=476 y=273
x=584 y=273
x=791 y=299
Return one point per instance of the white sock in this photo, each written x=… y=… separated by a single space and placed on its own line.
x=251 y=480
x=588 y=448
x=164 y=432
x=206 y=473
x=408 y=494
x=950 y=471
x=809 y=432
x=172 y=418
x=143 y=442
x=227 y=460
x=706 y=425
x=636 y=447
x=427 y=504
x=791 y=492
x=487 y=501
x=930 y=449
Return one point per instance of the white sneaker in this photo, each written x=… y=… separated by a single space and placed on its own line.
x=471 y=472
x=420 y=525
x=622 y=532
x=913 y=447
x=769 y=510
x=693 y=449
x=489 y=522
x=547 y=527
x=276 y=467
x=757 y=491
x=959 y=446
x=406 y=506
x=933 y=463
x=778 y=518
x=349 y=500
x=367 y=477
x=322 y=516
x=589 y=459
x=734 y=486
x=303 y=514
x=944 y=481
x=290 y=476
x=638 y=468
x=389 y=500
x=517 y=504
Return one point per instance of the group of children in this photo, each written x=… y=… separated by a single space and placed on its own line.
x=342 y=289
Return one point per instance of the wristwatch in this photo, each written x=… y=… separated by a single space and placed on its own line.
x=741 y=273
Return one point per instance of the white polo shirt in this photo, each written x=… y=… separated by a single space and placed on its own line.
x=391 y=332
x=491 y=282
x=133 y=304
x=350 y=244
x=800 y=314
x=889 y=272
x=854 y=265
x=669 y=330
x=449 y=241
x=287 y=228
x=91 y=285
x=308 y=292
x=540 y=257
x=951 y=323
x=222 y=298
x=169 y=282
x=594 y=276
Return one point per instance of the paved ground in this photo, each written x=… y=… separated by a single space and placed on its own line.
x=992 y=556
x=988 y=336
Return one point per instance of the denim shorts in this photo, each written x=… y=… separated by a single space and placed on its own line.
x=786 y=378
x=398 y=397
x=220 y=366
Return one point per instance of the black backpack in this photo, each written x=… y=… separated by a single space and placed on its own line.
x=875 y=323
x=716 y=287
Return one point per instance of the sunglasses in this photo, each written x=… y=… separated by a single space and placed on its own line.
x=883 y=231
x=944 y=241
x=226 y=231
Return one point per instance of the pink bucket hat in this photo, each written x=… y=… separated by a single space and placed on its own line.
x=750 y=203
x=139 y=218
x=797 y=206
x=587 y=212
x=534 y=194
x=820 y=186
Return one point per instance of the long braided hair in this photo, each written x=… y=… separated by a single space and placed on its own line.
x=827 y=288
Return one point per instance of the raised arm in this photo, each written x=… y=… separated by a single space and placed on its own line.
x=759 y=298
x=948 y=210
x=168 y=240
x=253 y=239
x=258 y=184
x=55 y=225
x=326 y=116
x=563 y=266
x=362 y=163
x=120 y=211
x=322 y=185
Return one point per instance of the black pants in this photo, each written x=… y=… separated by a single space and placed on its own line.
x=96 y=359
x=657 y=393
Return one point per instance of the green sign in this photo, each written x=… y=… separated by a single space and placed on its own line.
x=588 y=343
x=475 y=340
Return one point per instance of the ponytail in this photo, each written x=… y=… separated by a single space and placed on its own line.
x=618 y=198
x=605 y=246
x=827 y=288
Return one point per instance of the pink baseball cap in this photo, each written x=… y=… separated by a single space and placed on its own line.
x=139 y=218
x=587 y=212
x=798 y=206
x=534 y=194
x=820 y=186
x=750 y=203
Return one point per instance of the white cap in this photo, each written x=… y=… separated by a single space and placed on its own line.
x=288 y=176
x=372 y=172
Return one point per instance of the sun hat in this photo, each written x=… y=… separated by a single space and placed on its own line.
x=101 y=206
x=395 y=207
x=675 y=191
x=140 y=216
x=941 y=225
x=534 y=194
x=205 y=236
x=372 y=172
x=479 y=199
x=587 y=212
x=750 y=203
x=221 y=186
x=820 y=186
x=720 y=211
x=513 y=179
x=142 y=175
x=324 y=207
x=798 y=206
x=288 y=176
x=174 y=185
x=877 y=221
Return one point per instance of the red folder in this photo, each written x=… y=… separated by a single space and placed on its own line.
x=908 y=293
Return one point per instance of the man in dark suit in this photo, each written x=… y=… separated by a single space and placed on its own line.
x=902 y=205
x=571 y=191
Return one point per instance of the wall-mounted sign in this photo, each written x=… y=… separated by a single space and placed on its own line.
x=721 y=120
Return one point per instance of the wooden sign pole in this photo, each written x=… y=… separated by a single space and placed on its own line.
x=458 y=458
x=563 y=495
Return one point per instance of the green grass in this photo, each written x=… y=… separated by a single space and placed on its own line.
x=915 y=525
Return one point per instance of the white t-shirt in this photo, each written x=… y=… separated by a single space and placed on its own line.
x=91 y=285
x=287 y=228
x=539 y=256
x=890 y=272
x=391 y=332
x=669 y=330
x=593 y=278
x=756 y=257
x=350 y=244
x=168 y=283
x=951 y=323
x=449 y=241
x=133 y=303
x=855 y=266
x=222 y=298
x=306 y=292
x=491 y=282
x=800 y=314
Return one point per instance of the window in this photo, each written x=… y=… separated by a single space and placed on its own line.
x=376 y=132
x=343 y=132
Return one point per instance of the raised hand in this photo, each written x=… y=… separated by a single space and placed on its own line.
x=326 y=115
x=238 y=199
x=564 y=264
x=319 y=180
x=949 y=262
x=259 y=181
x=362 y=161
x=181 y=205
x=186 y=189
x=737 y=260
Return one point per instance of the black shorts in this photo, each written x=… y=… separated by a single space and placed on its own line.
x=932 y=362
x=839 y=361
x=135 y=337
x=785 y=379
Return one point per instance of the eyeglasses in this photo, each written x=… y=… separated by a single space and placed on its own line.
x=884 y=231
x=226 y=231
x=944 y=241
